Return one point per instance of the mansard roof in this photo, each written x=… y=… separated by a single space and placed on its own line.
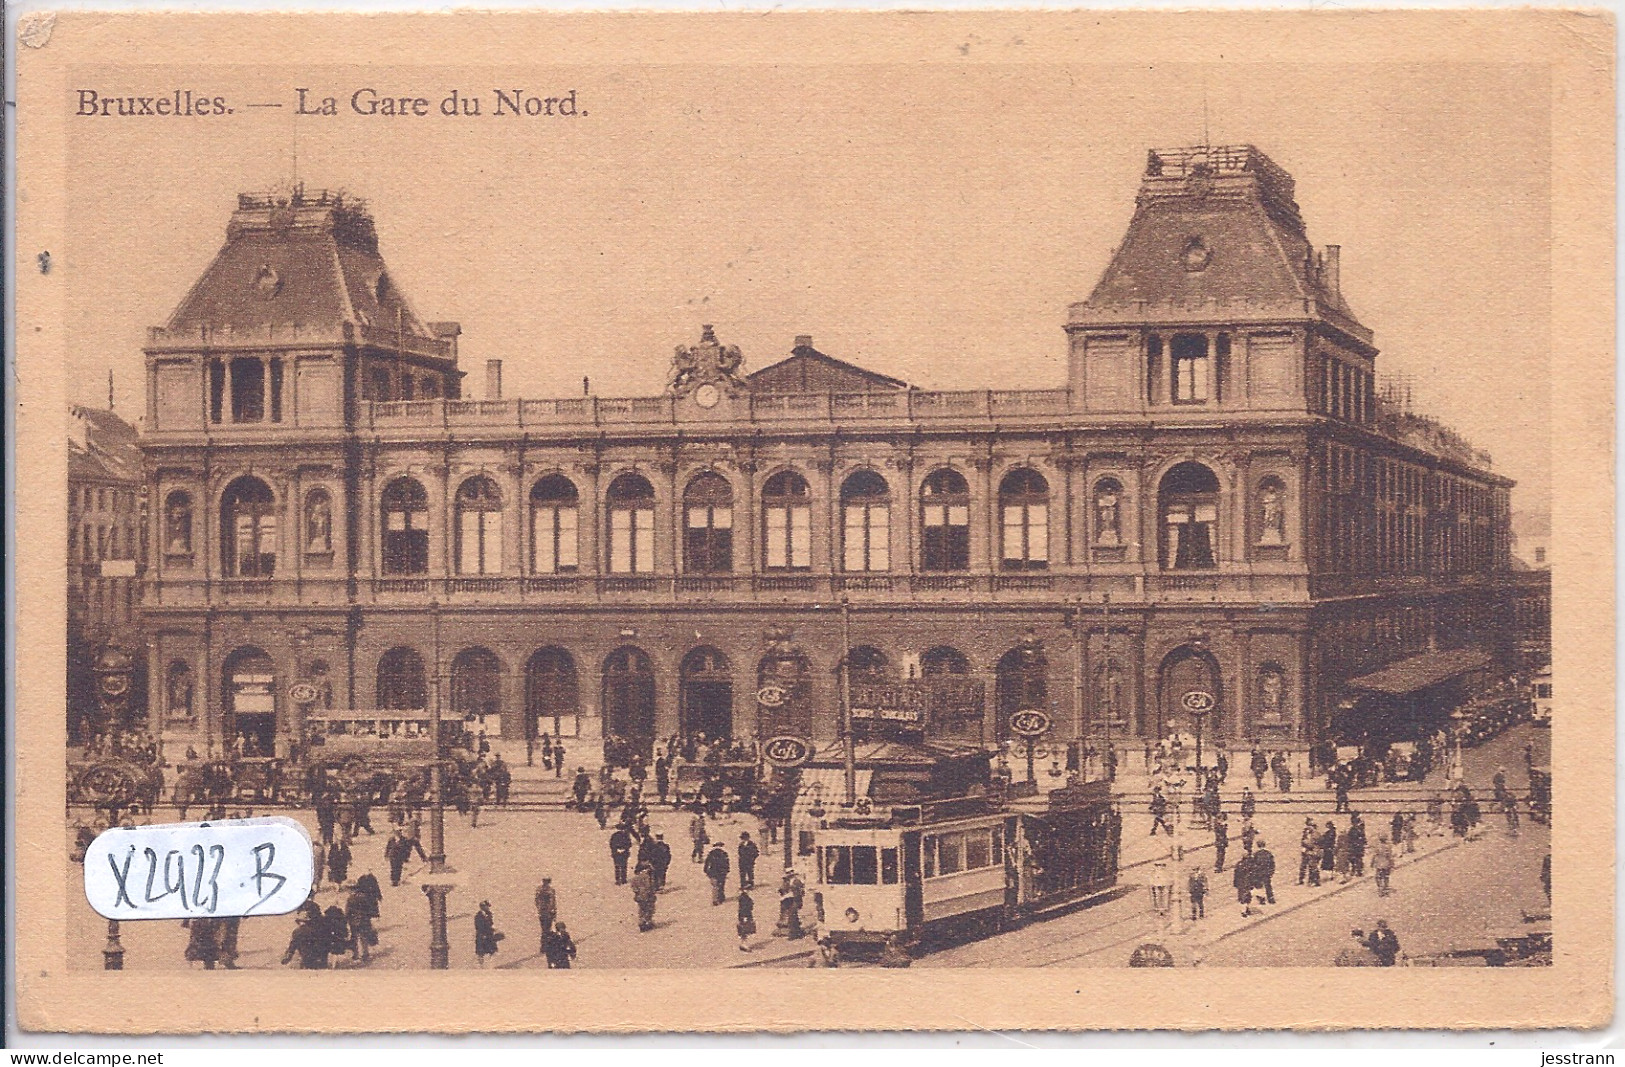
x=807 y=370
x=310 y=261
x=101 y=447
x=1219 y=225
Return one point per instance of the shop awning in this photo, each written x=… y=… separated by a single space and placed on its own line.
x=1420 y=672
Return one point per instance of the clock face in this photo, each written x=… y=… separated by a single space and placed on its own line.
x=707 y=396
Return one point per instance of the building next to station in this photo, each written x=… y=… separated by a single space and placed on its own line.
x=1218 y=498
x=107 y=556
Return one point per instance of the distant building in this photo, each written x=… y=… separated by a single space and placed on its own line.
x=1215 y=500
x=107 y=547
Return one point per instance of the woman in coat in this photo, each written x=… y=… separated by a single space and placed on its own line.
x=338 y=861
x=485 y=933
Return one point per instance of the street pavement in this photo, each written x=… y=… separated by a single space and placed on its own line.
x=1451 y=894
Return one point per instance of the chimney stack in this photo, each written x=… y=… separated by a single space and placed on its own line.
x=803 y=340
x=1330 y=270
x=493 y=379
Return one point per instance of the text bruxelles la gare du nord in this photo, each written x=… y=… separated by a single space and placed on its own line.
x=368 y=101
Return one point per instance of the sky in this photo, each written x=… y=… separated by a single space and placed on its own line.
x=930 y=221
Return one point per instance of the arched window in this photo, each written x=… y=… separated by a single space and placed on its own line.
x=476 y=683
x=943 y=660
x=552 y=694
x=402 y=682
x=945 y=522
x=708 y=507
x=248 y=530
x=867 y=666
x=177 y=524
x=554 y=522
x=406 y=528
x=1192 y=370
x=1108 y=512
x=786 y=523
x=318 y=523
x=631 y=501
x=1024 y=511
x=479 y=527
x=705 y=706
x=955 y=702
x=1271 y=515
x=1188 y=501
x=866 y=504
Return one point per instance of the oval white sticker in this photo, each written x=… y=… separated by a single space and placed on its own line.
x=184 y=869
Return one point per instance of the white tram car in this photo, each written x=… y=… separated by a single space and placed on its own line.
x=966 y=863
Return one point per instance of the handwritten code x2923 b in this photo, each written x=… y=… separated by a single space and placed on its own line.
x=183 y=870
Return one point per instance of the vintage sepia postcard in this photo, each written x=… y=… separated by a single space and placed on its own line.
x=778 y=521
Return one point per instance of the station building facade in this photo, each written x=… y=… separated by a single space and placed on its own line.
x=1217 y=498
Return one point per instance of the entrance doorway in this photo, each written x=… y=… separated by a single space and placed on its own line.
x=552 y=699
x=1188 y=670
x=707 y=695
x=629 y=698
x=250 y=700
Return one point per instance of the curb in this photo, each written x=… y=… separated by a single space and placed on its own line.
x=1327 y=896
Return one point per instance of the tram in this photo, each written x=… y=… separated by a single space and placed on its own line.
x=963 y=864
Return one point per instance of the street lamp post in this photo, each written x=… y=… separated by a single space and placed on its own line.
x=113 y=951
x=1201 y=771
x=439 y=944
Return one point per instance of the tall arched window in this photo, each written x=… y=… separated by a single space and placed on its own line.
x=479 y=527
x=177 y=524
x=406 y=528
x=554 y=522
x=631 y=501
x=1108 y=512
x=248 y=530
x=402 y=682
x=1188 y=501
x=786 y=523
x=476 y=683
x=708 y=509
x=1024 y=511
x=318 y=522
x=866 y=505
x=945 y=522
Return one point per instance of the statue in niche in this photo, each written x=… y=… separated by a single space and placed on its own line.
x=1271 y=515
x=1271 y=693
x=319 y=523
